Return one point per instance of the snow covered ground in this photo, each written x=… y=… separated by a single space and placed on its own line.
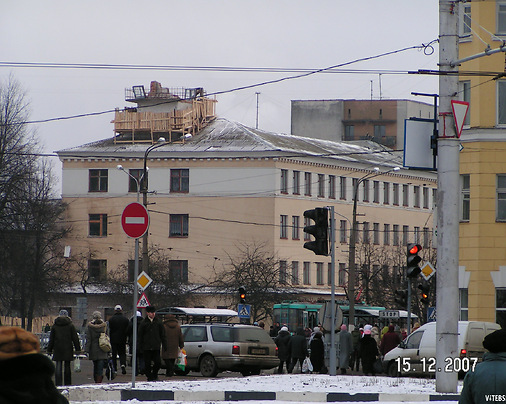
x=303 y=383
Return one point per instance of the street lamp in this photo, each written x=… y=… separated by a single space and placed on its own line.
x=353 y=241
x=144 y=189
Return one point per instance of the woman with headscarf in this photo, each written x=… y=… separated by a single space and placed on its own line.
x=317 y=355
x=282 y=342
x=368 y=352
x=96 y=327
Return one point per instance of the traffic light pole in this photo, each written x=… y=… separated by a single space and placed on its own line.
x=409 y=305
x=333 y=351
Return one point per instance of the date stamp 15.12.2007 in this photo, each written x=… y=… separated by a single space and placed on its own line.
x=428 y=365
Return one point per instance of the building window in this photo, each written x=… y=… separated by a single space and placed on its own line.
x=295 y=227
x=465 y=196
x=283 y=226
x=465 y=20
x=466 y=96
x=307 y=184
x=343 y=236
x=319 y=273
x=307 y=222
x=132 y=184
x=376 y=233
x=396 y=194
x=342 y=188
x=386 y=193
x=349 y=132
x=425 y=192
x=396 y=234
x=296 y=182
x=416 y=234
x=365 y=232
x=386 y=234
x=306 y=273
x=97 y=270
x=463 y=304
x=376 y=191
x=295 y=272
x=426 y=237
x=98 y=225
x=282 y=272
x=416 y=194
x=98 y=180
x=321 y=185
x=379 y=132
x=178 y=226
x=405 y=235
x=500 y=317
x=501 y=197
x=180 y=180
x=284 y=181
x=501 y=104
x=501 y=18
x=341 y=276
x=405 y=195
x=178 y=271
x=332 y=186
x=366 y=190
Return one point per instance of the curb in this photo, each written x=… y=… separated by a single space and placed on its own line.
x=88 y=394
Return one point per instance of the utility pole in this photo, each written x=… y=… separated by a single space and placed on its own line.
x=447 y=201
x=256 y=122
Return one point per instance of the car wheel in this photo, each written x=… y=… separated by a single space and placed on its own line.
x=208 y=366
x=392 y=370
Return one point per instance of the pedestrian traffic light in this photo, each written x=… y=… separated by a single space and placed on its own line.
x=401 y=298
x=320 y=246
x=413 y=259
x=424 y=293
x=242 y=294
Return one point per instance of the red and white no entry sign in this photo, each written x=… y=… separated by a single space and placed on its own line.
x=135 y=220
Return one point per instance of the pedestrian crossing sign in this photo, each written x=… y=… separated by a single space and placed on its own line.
x=244 y=310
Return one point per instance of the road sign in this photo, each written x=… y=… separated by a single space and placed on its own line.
x=460 y=109
x=244 y=310
x=427 y=270
x=135 y=220
x=143 y=302
x=431 y=314
x=143 y=280
x=393 y=314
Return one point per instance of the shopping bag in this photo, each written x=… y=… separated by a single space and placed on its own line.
x=104 y=342
x=181 y=360
x=307 y=366
x=109 y=370
x=77 y=364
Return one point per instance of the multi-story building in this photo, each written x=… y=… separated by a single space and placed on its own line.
x=482 y=257
x=381 y=121
x=230 y=186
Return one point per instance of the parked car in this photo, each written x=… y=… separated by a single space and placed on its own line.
x=417 y=353
x=214 y=348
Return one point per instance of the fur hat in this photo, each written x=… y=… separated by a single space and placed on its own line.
x=97 y=315
x=495 y=342
x=15 y=341
x=284 y=328
x=63 y=313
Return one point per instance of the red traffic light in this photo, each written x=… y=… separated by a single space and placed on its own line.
x=414 y=248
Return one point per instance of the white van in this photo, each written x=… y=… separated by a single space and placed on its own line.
x=417 y=353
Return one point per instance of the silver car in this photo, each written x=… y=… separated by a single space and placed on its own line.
x=213 y=348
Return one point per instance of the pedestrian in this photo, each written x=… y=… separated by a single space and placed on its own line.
x=175 y=342
x=298 y=348
x=355 y=337
x=283 y=343
x=118 y=326
x=96 y=327
x=63 y=340
x=317 y=356
x=389 y=341
x=487 y=382
x=47 y=327
x=151 y=338
x=139 y=363
x=375 y=334
x=345 y=347
x=25 y=374
x=368 y=350
x=261 y=324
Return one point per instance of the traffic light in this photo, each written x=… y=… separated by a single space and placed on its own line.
x=242 y=294
x=320 y=246
x=413 y=259
x=424 y=293
x=401 y=298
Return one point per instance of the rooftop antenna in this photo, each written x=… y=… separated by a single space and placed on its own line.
x=256 y=124
x=371 y=90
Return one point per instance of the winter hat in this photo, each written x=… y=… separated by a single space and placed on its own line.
x=343 y=327
x=15 y=341
x=495 y=342
x=139 y=314
x=97 y=315
x=316 y=329
x=150 y=309
x=118 y=307
x=284 y=328
x=368 y=327
x=63 y=313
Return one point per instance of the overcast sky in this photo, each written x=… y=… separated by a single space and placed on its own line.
x=210 y=33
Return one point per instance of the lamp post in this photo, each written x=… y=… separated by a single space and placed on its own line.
x=353 y=242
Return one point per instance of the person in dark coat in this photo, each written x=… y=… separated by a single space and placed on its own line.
x=139 y=363
x=151 y=337
x=317 y=355
x=96 y=327
x=390 y=340
x=118 y=325
x=282 y=342
x=368 y=351
x=25 y=373
x=175 y=342
x=489 y=376
x=356 y=335
x=298 y=348
x=345 y=344
x=63 y=339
